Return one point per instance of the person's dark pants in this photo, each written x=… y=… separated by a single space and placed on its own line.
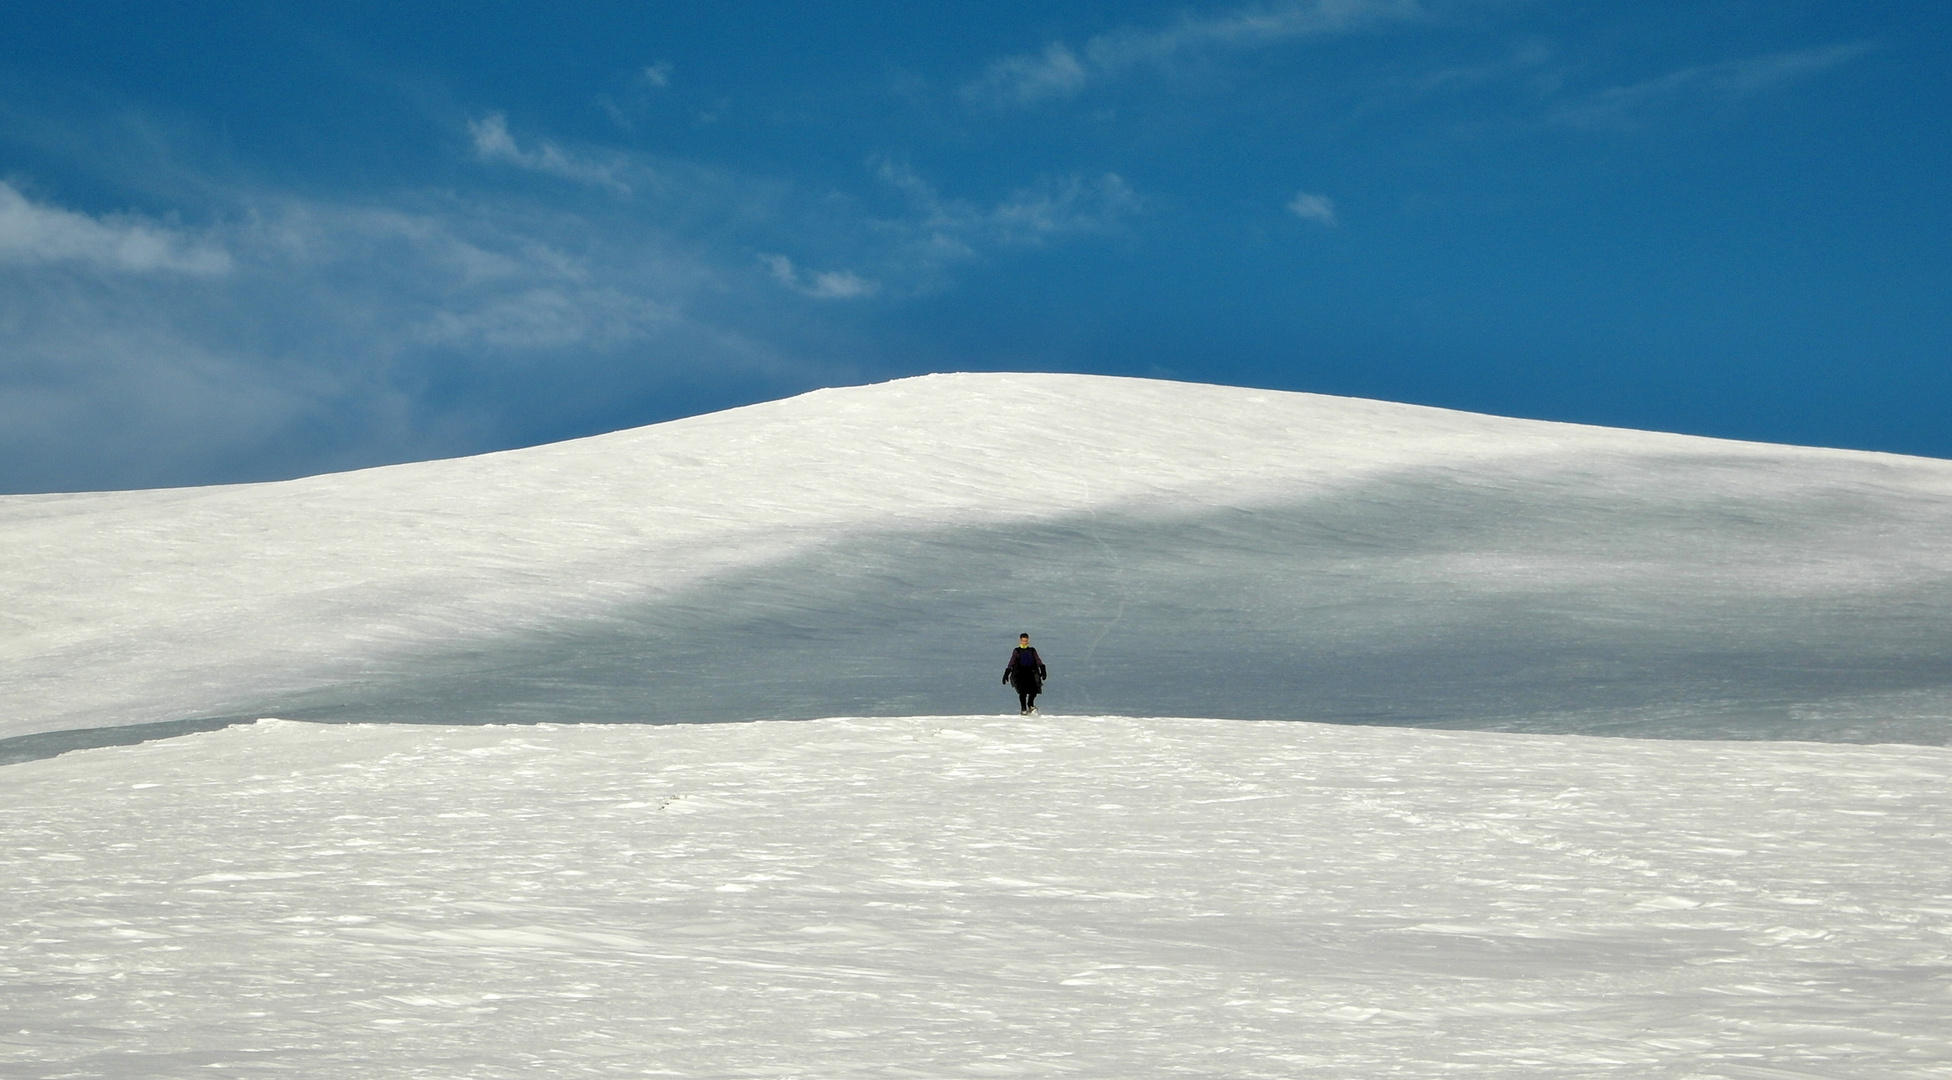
x=1026 y=699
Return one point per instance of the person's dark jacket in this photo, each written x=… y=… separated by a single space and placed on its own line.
x=1026 y=671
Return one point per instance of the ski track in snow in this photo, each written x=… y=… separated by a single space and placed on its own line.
x=970 y=896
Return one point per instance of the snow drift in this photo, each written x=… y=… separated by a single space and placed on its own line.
x=1175 y=549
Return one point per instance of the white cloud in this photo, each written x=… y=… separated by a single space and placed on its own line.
x=1729 y=80
x=1058 y=71
x=436 y=323
x=32 y=232
x=658 y=75
x=1318 y=208
x=352 y=335
x=824 y=285
x=492 y=142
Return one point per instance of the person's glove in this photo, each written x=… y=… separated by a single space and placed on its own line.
x=1006 y=678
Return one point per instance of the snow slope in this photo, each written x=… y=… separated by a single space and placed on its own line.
x=975 y=897
x=906 y=894
x=1175 y=548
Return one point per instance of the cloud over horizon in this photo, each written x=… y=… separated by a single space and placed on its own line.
x=302 y=334
x=347 y=335
x=239 y=253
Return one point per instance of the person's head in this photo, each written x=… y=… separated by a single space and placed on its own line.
x=1022 y=640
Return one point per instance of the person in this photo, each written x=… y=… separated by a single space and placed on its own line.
x=1027 y=673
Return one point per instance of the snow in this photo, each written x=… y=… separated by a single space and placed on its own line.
x=516 y=850
x=1177 y=549
x=972 y=896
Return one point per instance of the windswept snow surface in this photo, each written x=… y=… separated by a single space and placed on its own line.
x=980 y=897
x=1175 y=548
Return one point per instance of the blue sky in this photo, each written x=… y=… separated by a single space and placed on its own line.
x=254 y=240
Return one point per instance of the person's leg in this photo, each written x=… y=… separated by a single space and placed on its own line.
x=1023 y=702
x=1030 y=702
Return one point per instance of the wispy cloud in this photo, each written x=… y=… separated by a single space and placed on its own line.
x=1059 y=71
x=1731 y=80
x=548 y=317
x=1051 y=208
x=636 y=95
x=1028 y=78
x=349 y=335
x=493 y=142
x=32 y=232
x=914 y=249
x=1065 y=205
x=1316 y=208
x=297 y=334
x=822 y=285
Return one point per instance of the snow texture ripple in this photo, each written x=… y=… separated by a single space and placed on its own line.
x=943 y=897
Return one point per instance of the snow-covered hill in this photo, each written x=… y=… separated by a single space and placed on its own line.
x=1175 y=549
x=902 y=893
